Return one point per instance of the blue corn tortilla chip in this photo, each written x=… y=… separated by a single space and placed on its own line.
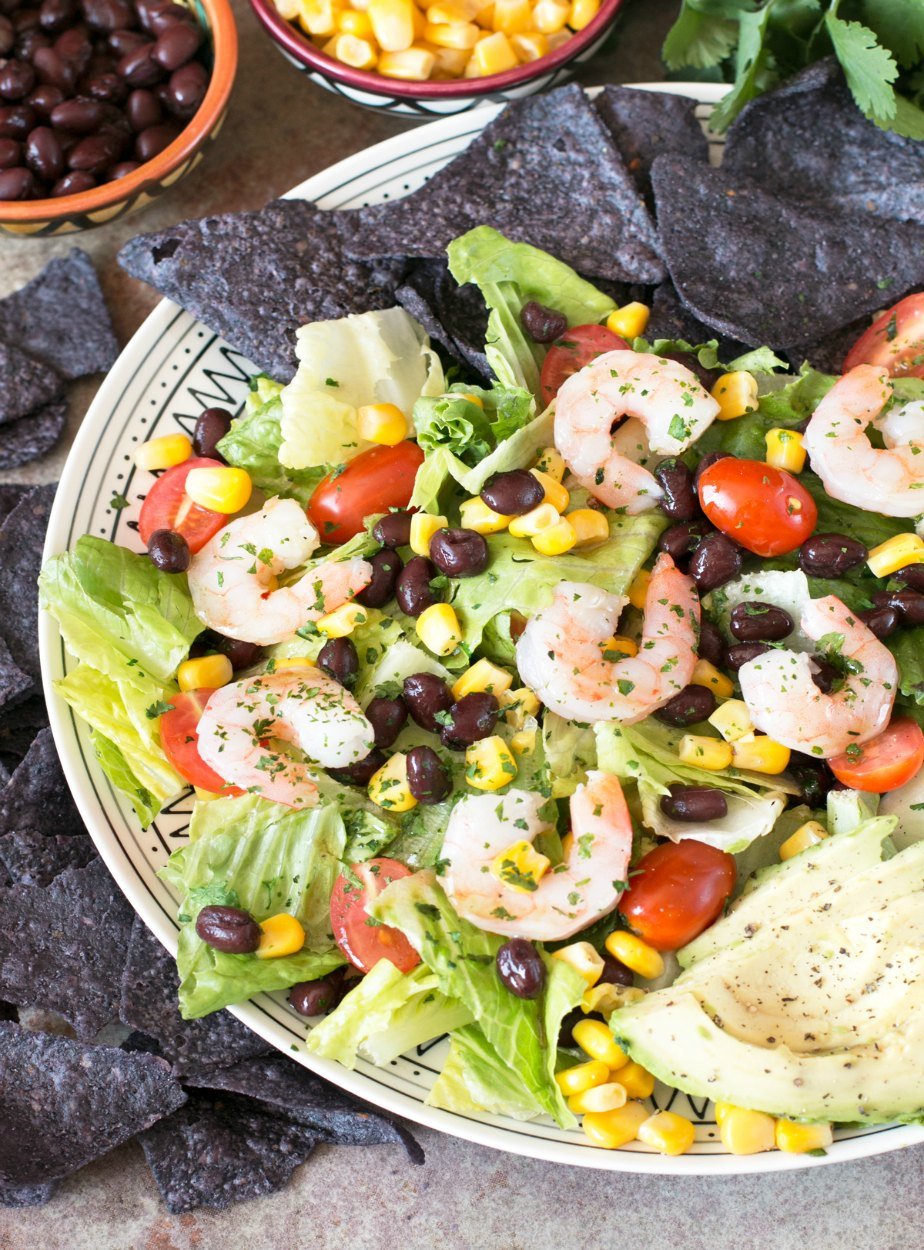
x=545 y=172
x=25 y=385
x=62 y=946
x=827 y=355
x=22 y=537
x=14 y=683
x=762 y=270
x=290 y=1090
x=64 y=1104
x=808 y=142
x=26 y=1195
x=61 y=319
x=647 y=124
x=455 y=317
x=149 y=1004
x=670 y=320
x=213 y=1152
x=29 y=438
x=33 y=858
x=37 y=796
x=19 y=725
x=10 y=495
x=255 y=277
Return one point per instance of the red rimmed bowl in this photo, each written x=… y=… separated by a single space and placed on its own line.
x=69 y=213
x=434 y=99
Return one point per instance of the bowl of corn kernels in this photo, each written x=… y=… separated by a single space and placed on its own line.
x=434 y=57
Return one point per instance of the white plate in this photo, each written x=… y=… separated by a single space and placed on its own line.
x=171 y=369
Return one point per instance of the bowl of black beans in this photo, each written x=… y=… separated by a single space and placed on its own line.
x=105 y=103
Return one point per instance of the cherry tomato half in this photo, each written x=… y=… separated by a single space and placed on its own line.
x=895 y=340
x=365 y=943
x=766 y=510
x=374 y=481
x=179 y=736
x=676 y=891
x=575 y=349
x=886 y=762
x=168 y=507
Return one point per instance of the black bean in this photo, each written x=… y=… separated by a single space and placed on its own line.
x=316 y=998
x=413 y=590
x=759 y=622
x=168 y=551
x=108 y=15
x=514 y=493
x=387 y=718
x=694 y=804
x=81 y=116
x=95 y=153
x=339 y=660
x=614 y=971
x=186 y=89
x=386 y=565
x=679 y=501
x=143 y=109
x=212 y=424
x=151 y=142
x=121 y=42
x=177 y=44
x=541 y=323
x=459 y=552
x=106 y=87
x=241 y=654
x=10 y=153
x=520 y=968
x=813 y=777
x=362 y=772
x=830 y=555
x=742 y=652
x=428 y=778
x=908 y=603
x=427 y=697
x=55 y=15
x=711 y=458
x=825 y=675
x=138 y=67
x=45 y=99
x=29 y=45
x=711 y=644
x=17 y=78
x=7 y=35
x=75 y=47
x=473 y=717
x=43 y=154
x=54 y=71
x=912 y=575
x=715 y=561
x=682 y=539
x=18 y=183
x=73 y=184
x=161 y=16
x=228 y=929
x=16 y=120
x=882 y=621
x=692 y=705
x=393 y=530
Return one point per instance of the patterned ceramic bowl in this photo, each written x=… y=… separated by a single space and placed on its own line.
x=69 y=213
x=433 y=99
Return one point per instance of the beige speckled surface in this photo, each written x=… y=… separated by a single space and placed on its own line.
x=280 y=130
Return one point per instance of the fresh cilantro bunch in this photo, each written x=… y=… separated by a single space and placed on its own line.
x=758 y=44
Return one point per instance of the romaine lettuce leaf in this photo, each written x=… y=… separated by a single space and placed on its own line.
x=469 y=430
x=570 y=750
x=253 y=443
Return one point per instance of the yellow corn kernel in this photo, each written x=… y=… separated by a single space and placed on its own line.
x=745 y=1132
x=732 y=719
x=556 y=540
x=763 y=755
x=382 y=423
x=485 y=17
x=589 y=525
x=280 y=935
x=606 y=998
x=607 y=1097
x=530 y=523
x=412 y=65
x=489 y=764
x=492 y=55
x=710 y=753
x=798 y=1139
x=635 y=954
x=392 y=24
x=612 y=1129
x=638 y=1081
x=668 y=1133
x=221 y=489
x=520 y=866
x=513 y=17
x=388 y=787
x=205 y=796
x=617 y=646
x=638 y=591
x=210 y=671
x=360 y=54
x=736 y=394
x=482 y=678
x=706 y=674
x=530 y=45
x=518 y=706
x=582 y=1076
x=361 y=6
x=460 y=35
x=631 y=320
x=595 y=1039
x=582 y=14
x=296 y=661
x=476 y=515
x=452 y=12
x=423 y=526
x=785 y=450
x=523 y=741
x=342 y=621
x=582 y=957
x=552 y=463
x=318 y=17
x=559 y=38
x=438 y=628
x=451 y=63
x=352 y=22
x=163 y=452
x=551 y=16
x=895 y=553
x=287 y=9
x=809 y=834
x=555 y=493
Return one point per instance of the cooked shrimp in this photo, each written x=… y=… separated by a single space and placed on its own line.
x=233 y=583
x=303 y=707
x=665 y=399
x=786 y=704
x=888 y=480
x=584 y=887
x=562 y=654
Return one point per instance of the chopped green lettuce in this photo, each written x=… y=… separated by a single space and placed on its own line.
x=253 y=443
x=785 y=406
x=570 y=750
x=469 y=430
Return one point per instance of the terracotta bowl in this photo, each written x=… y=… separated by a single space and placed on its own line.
x=433 y=99
x=70 y=213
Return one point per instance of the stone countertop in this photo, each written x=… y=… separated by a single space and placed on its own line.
x=280 y=130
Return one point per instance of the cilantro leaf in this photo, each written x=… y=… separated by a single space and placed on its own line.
x=899 y=25
x=698 y=39
x=868 y=67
